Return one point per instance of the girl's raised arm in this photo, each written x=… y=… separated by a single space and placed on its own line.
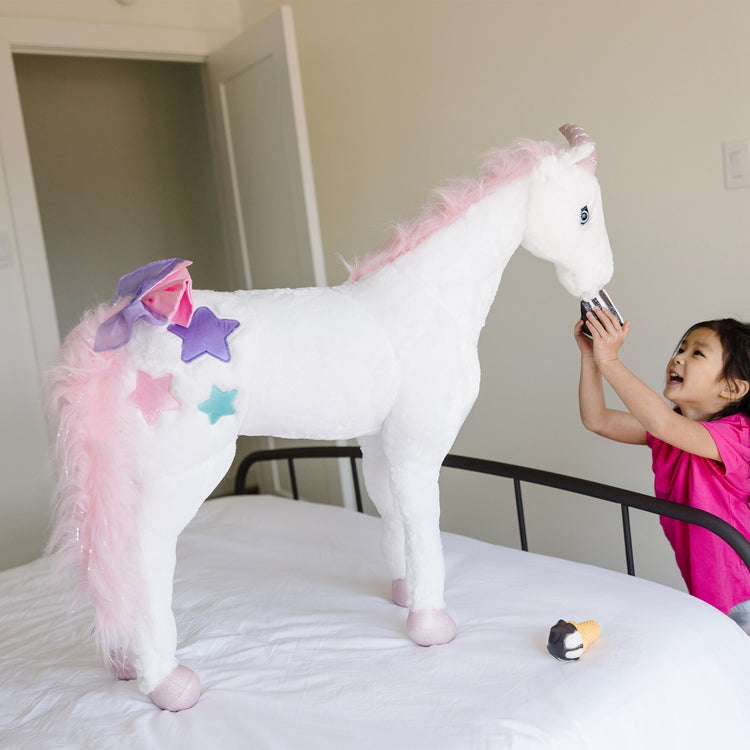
x=644 y=404
x=595 y=415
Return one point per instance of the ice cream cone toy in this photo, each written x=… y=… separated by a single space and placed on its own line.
x=568 y=641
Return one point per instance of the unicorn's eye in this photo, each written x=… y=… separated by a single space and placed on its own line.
x=584 y=214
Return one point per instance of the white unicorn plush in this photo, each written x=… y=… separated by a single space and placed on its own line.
x=149 y=394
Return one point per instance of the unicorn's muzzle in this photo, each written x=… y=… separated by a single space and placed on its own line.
x=600 y=300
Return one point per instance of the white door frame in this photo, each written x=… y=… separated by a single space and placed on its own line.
x=22 y=217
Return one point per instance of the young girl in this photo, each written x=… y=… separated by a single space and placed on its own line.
x=700 y=449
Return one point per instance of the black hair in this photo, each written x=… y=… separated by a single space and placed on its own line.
x=735 y=343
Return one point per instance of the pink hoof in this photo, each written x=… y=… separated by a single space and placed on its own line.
x=430 y=627
x=398 y=592
x=178 y=690
x=122 y=664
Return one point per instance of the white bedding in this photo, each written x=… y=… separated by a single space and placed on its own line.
x=283 y=611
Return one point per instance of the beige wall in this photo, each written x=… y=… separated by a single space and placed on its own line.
x=212 y=16
x=402 y=94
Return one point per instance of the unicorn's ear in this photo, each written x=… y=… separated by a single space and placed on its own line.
x=583 y=154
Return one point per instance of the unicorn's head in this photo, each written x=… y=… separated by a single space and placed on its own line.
x=565 y=221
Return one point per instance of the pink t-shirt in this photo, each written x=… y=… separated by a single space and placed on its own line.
x=711 y=568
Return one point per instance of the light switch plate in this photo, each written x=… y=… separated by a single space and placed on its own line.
x=6 y=250
x=737 y=163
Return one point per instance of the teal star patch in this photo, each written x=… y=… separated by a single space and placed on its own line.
x=218 y=404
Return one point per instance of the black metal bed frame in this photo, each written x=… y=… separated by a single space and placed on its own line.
x=625 y=498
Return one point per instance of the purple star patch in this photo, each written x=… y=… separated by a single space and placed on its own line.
x=206 y=334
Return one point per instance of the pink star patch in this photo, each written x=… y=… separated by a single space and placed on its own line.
x=152 y=396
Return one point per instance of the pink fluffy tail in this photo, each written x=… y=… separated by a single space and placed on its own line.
x=97 y=502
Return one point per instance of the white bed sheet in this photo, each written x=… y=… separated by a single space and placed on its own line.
x=282 y=608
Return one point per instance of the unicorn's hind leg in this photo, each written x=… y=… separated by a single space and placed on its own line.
x=378 y=484
x=169 y=685
x=169 y=504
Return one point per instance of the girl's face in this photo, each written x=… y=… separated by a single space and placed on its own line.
x=695 y=381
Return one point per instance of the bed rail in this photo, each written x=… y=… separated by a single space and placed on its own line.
x=625 y=498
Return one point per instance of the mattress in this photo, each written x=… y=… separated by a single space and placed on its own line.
x=283 y=609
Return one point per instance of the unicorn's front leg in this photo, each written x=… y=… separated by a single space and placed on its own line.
x=416 y=493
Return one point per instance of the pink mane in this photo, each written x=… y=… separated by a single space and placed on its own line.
x=501 y=167
x=96 y=502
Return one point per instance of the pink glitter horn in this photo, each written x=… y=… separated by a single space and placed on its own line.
x=576 y=135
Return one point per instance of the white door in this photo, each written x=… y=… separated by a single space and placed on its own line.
x=268 y=193
x=268 y=197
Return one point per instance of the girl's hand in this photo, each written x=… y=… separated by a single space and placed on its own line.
x=584 y=342
x=608 y=335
